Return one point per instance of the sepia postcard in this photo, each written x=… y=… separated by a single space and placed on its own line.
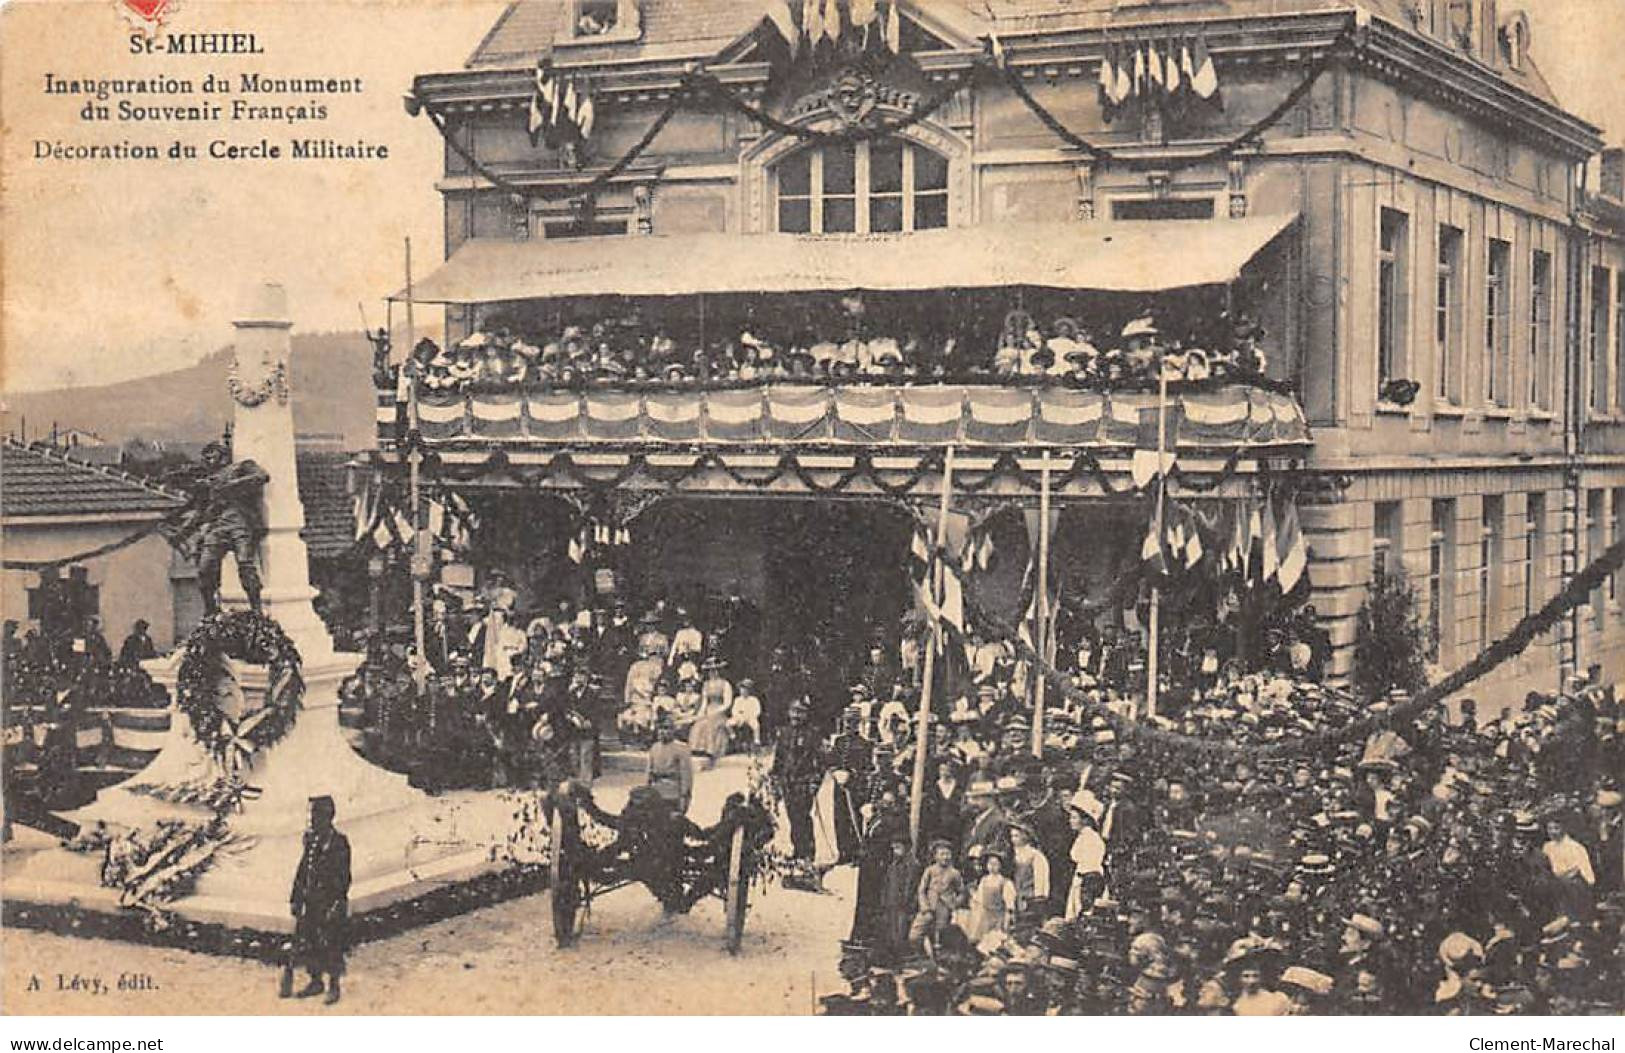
x=813 y=507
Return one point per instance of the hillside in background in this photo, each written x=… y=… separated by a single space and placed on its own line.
x=332 y=394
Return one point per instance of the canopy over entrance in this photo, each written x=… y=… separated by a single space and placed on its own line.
x=1124 y=257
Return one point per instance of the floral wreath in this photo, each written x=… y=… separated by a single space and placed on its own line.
x=247 y=636
x=275 y=383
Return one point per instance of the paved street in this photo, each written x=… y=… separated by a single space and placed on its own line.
x=495 y=961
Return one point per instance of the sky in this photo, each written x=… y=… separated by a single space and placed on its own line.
x=112 y=271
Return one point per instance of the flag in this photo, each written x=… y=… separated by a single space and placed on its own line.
x=1139 y=70
x=919 y=556
x=894 y=27
x=812 y=24
x=1170 y=77
x=1204 y=76
x=586 y=116
x=783 y=20
x=1240 y=542
x=1187 y=68
x=541 y=100
x=1145 y=467
x=1152 y=550
x=1271 y=547
x=568 y=106
x=1294 y=553
x=832 y=21
x=864 y=12
x=1107 y=76
x=1125 y=77
x=1255 y=531
x=1153 y=65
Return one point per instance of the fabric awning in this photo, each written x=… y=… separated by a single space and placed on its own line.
x=1122 y=256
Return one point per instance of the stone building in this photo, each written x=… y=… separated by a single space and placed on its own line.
x=1445 y=298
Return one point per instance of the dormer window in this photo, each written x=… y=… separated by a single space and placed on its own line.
x=602 y=21
x=1459 y=23
x=1515 y=40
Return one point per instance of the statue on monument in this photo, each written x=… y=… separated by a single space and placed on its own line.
x=227 y=517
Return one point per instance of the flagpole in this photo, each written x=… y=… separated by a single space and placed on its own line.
x=1041 y=637
x=916 y=794
x=1151 y=670
x=414 y=460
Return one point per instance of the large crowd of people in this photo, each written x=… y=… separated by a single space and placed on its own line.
x=60 y=679
x=1418 y=866
x=507 y=354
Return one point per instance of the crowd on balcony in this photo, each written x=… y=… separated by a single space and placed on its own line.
x=852 y=349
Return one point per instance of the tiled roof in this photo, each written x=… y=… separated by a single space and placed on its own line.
x=687 y=28
x=40 y=480
x=329 y=512
x=529 y=27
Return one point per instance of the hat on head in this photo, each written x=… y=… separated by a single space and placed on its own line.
x=1142 y=326
x=1306 y=979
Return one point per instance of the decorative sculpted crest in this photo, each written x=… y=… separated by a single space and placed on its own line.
x=852 y=96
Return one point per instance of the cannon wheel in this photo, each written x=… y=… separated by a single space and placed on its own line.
x=738 y=892
x=564 y=879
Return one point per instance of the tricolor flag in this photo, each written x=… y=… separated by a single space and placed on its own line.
x=1271 y=547
x=783 y=20
x=1124 y=88
x=1204 y=75
x=1294 y=552
x=1107 y=78
x=864 y=13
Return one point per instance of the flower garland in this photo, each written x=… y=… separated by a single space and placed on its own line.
x=251 y=637
x=154 y=867
x=275 y=383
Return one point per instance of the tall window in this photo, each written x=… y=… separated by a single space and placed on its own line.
x=1534 y=567
x=1617 y=512
x=862 y=187
x=1387 y=553
x=1602 y=281
x=1540 y=330
x=1392 y=317
x=1447 y=316
x=1619 y=338
x=1497 y=325
x=1489 y=569
x=1441 y=578
x=1594 y=545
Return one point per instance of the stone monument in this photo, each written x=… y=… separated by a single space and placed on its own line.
x=399 y=849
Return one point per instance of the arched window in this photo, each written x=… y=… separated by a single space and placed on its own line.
x=864 y=187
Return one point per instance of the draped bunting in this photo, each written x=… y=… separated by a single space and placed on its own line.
x=905 y=415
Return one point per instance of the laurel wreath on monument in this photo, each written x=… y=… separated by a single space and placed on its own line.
x=246 y=636
x=275 y=383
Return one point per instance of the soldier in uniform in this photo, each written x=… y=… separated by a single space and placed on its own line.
x=227 y=519
x=321 y=902
x=798 y=767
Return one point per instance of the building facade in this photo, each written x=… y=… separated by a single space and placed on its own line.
x=1447 y=302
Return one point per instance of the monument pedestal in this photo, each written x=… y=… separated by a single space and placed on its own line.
x=396 y=850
